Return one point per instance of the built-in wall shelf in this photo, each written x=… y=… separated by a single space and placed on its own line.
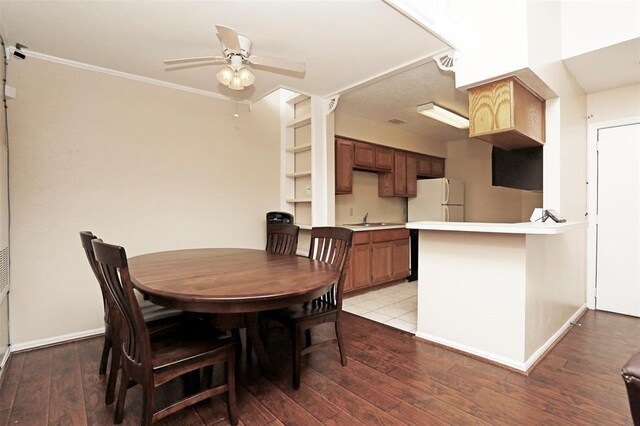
x=299 y=122
x=304 y=226
x=299 y=174
x=298 y=200
x=297 y=99
x=299 y=148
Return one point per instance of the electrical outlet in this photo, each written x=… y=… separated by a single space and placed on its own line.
x=308 y=189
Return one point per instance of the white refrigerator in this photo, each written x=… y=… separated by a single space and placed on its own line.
x=439 y=200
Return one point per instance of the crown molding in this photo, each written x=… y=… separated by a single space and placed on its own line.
x=121 y=74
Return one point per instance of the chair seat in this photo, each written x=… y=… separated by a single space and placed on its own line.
x=632 y=367
x=188 y=340
x=298 y=312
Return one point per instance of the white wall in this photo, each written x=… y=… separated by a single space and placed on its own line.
x=470 y=161
x=143 y=166
x=493 y=39
x=591 y=24
x=623 y=102
x=367 y=130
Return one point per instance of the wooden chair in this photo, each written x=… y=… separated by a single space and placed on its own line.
x=154 y=359
x=331 y=245
x=111 y=342
x=282 y=239
x=631 y=377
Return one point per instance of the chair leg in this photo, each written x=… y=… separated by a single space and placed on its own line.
x=231 y=387
x=122 y=395
x=341 y=347
x=307 y=335
x=148 y=404
x=235 y=333
x=298 y=338
x=105 y=354
x=113 y=374
x=249 y=346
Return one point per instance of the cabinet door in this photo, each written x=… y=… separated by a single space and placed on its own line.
x=364 y=155
x=381 y=262
x=399 y=173
x=437 y=167
x=361 y=265
x=400 y=261
x=412 y=175
x=344 y=166
x=384 y=158
x=424 y=166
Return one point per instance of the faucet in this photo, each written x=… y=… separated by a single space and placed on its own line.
x=364 y=219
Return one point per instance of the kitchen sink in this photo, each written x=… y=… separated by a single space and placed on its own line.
x=373 y=224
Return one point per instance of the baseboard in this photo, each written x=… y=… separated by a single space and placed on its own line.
x=5 y=358
x=542 y=350
x=521 y=367
x=475 y=352
x=50 y=341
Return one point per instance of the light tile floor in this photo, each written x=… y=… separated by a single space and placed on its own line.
x=395 y=306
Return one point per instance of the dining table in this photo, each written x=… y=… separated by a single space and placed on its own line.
x=231 y=281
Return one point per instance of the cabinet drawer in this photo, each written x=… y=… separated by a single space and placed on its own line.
x=389 y=235
x=361 y=237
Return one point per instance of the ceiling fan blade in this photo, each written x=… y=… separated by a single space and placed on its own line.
x=283 y=64
x=216 y=59
x=229 y=38
x=189 y=66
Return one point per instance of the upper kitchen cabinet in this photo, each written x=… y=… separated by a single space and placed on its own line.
x=506 y=114
x=344 y=166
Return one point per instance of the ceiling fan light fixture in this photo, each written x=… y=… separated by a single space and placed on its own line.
x=236 y=83
x=444 y=115
x=246 y=77
x=225 y=75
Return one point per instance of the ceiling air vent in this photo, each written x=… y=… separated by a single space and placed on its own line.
x=396 y=121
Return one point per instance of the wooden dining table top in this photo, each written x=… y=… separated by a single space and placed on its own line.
x=229 y=280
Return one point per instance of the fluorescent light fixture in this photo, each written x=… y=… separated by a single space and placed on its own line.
x=438 y=113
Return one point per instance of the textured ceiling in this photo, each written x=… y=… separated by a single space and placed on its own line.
x=397 y=97
x=343 y=43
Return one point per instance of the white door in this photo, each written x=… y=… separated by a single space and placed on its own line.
x=618 y=220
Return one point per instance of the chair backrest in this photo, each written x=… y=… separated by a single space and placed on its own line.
x=282 y=239
x=113 y=264
x=332 y=245
x=86 y=237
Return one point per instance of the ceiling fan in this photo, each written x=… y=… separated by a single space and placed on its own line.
x=236 y=53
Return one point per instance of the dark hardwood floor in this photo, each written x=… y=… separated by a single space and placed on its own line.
x=391 y=379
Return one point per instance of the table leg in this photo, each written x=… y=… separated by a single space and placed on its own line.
x=251 y=322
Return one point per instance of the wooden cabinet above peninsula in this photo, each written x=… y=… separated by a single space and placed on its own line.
x=506 y=114
x=398 y=170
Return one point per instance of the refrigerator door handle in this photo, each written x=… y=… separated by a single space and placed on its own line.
x=447 y=189
x=446 y=213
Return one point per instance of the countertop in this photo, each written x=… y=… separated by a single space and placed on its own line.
x=374 y=228
x=541 y=228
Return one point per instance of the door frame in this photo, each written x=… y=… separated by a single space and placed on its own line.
x=592 y=199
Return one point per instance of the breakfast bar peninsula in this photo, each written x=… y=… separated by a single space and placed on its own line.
x=504 y=292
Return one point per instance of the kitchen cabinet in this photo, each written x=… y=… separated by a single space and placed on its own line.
x=402 y=180
x=378 y=257
x=344 y=166
x=364 y=155
x=397 y=170
x=506 y=114
x=429 y=167
x=384 y=158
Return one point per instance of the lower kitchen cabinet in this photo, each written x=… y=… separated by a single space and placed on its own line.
x=381 y=262
x=378 y=257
